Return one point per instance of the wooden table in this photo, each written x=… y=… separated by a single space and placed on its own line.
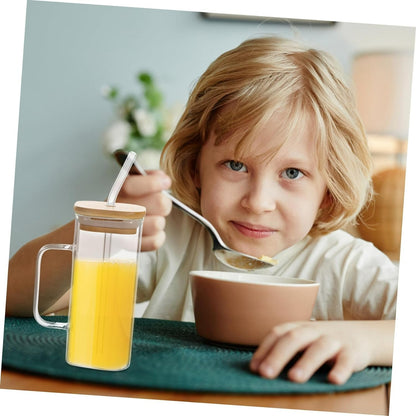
x=373 y=401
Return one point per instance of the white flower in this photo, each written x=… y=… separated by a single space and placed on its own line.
x=146 y=122
x=149 y=158
x=106 y=90
x=116 y=136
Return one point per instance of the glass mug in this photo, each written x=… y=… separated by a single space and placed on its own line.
x=105 y=251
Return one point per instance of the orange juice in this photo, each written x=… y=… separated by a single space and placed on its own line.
x=101 y=314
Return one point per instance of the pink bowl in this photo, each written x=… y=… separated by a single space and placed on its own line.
x=241 y=308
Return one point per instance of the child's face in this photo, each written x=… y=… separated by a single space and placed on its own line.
x=261 y=207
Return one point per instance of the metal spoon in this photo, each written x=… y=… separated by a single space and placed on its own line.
x=226 y=255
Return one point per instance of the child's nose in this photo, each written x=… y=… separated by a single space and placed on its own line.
x=259 y=198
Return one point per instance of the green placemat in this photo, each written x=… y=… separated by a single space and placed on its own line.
x=166 y=355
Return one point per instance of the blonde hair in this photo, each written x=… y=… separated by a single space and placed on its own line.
x=241 y=90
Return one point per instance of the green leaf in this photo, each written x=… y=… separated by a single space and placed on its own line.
x=113 y=93
x=145 y=78
x=154 y=97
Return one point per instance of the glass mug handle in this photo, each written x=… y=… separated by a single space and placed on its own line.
x=36 y=314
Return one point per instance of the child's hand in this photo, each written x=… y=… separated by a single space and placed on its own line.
x=146 y=191
x=348 y=345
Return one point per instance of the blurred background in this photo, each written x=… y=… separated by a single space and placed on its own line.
x=80 y=59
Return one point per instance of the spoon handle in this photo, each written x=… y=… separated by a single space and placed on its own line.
x=195 y=216
x=137 y=169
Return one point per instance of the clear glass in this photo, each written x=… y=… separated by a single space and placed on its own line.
x=105 y=256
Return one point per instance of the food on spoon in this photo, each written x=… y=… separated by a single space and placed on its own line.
x=268 y=259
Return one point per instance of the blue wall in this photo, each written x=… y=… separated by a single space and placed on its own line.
x=72 y=50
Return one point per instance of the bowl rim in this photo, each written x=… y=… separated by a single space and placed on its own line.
x=242 y=278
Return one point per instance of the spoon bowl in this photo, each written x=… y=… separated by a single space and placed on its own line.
x=226 y=255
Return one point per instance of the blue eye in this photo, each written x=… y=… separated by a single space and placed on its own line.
x=292 y=173
x=236 y=166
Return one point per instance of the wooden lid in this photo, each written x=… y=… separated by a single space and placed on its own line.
x=100 y=209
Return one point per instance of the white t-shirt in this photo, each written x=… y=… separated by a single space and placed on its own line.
x=357 y=281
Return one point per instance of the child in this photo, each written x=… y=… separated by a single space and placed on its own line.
x=270 y=149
